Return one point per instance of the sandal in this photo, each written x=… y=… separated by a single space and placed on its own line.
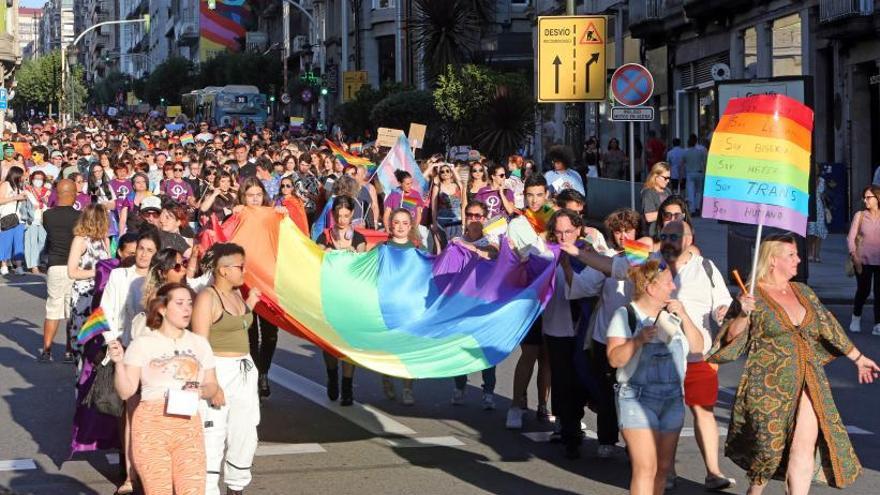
x=125 y=489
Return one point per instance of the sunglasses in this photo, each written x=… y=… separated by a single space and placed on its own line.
x=668 y=215
x=474 y=215
x=502 y=174
x=665 y=177
x=178 y=170
x=476 y=170
x=671 y=237
x=286 y=186
x=150 y=214
x=178 y=267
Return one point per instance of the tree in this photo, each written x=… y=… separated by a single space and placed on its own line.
x=399 y=110
x=262 y=71
x=106 y=90
x=39 y=84
x=169 y=80
x=460 y=95
x=354 y=116
x=508 y=118
x=447 y=32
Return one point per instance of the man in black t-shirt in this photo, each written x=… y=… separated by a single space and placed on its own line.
x=58 y=222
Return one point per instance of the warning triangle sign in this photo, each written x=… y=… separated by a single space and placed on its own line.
x=591 y=36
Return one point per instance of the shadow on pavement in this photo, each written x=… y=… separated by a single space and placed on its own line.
x=39 y=482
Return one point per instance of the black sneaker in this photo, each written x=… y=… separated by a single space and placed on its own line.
x=333 y=384
x=45 y=356
x=263 y=385
x=69 y=358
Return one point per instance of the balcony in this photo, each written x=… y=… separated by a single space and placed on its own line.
x=187 y=27
x=703 y=11
x=654 y=21
x=847 y=19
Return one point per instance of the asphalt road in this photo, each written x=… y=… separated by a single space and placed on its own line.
x=309 y=445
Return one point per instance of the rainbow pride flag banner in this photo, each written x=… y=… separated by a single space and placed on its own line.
x=759 y=163
x=95 y=325
x=349 y=159
x=395 y=311
x=636 y=252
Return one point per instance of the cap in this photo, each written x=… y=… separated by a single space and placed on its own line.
x=57 y=153
x=151 y=203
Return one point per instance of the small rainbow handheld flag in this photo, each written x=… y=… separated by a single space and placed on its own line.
x=356 y=148
x=538 y=219
x=94 y=325
x=187 y=139
x=349 y=159
x=636 y=252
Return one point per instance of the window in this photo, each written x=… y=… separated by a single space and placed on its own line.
x=787 y=54
x=387 y=59
x=383 y=4
x=750 y=52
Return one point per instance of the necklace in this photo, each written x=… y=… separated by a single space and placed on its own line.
x=781 y=290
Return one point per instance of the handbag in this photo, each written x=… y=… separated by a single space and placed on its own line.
x=848 y=268
x=8 y=221
x=102 y=396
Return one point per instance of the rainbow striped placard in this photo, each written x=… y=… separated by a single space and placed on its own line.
x=759 y=163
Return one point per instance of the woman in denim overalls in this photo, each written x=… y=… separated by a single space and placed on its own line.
x=649 y=347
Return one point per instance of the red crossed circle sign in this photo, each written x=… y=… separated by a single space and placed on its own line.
x=632 y=85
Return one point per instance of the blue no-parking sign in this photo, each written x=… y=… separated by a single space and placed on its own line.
x=632 y=85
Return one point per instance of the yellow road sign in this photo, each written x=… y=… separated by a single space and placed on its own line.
x=351 y=83
x=571 y=58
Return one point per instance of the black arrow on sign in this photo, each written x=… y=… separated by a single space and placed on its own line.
x=593 y=59
x=557 y=63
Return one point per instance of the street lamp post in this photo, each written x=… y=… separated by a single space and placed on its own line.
x=65 y=77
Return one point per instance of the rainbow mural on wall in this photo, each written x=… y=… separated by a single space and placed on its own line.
x=223 y=28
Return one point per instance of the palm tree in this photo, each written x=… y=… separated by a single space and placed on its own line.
x=447 y=32
x=506 y=123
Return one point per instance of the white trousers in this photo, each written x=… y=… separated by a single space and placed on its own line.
x=232 y=429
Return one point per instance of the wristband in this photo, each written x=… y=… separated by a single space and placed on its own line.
x=858 y=357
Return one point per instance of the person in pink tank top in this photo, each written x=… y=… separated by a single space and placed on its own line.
x=863 y=242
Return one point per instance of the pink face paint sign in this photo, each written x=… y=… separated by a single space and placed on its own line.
x=759 y=163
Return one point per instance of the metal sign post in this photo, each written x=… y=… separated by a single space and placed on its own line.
x=632 y=85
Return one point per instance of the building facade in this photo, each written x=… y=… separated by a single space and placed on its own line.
x=29 y=31
x=56 y=25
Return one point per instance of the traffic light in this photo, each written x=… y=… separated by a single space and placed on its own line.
x=272 y=99
x=162 y=101
x=324 y=91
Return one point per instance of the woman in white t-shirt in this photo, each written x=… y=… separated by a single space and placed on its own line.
x=648 y=342
x=175 y=370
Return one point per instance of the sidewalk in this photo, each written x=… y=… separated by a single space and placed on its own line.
x=826 y=278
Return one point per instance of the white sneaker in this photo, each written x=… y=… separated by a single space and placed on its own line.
x=4 y=270
x=19 y=271
x=876 y=330
x=605 y=451
x=514 y=418
x=488 y=402
x=855 y=326
x=407 y=397
x=457 y=397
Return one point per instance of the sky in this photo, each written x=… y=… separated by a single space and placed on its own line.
x=32 y=3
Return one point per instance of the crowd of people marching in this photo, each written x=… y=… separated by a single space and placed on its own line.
x=123 y=215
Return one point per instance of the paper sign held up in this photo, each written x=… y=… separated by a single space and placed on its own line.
x=387 y=137
x=416 y=135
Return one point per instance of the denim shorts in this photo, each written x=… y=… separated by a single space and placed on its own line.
x=661 y=410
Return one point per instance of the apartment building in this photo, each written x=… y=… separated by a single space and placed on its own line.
x=56 y=25
x=29 y=31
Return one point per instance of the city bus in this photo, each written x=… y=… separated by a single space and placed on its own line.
x=223 y=105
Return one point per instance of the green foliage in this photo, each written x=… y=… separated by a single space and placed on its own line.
x=39 y=84
x=491 y=111
x=354 y=116
x=169 y=80
x=262 y=71
x=399 y=109
x=447 y=31
x=105 y=91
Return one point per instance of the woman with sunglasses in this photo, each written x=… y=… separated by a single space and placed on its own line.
x=654 y=193
x=783 y=421
x=476 y=181
x=131 y=205
x=648 y=343
x=497 y=198
x=446 y=202
x=176 y=188
x=294 y=205
x=863 y=242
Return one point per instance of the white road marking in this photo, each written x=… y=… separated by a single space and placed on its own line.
x=424 y=442
x=18 y=465
x=365 y=416
x=544 y=436
x=22 y=284
x=268 y=448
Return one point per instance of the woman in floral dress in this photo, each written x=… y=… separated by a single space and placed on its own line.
x=90 y=245
x=784 y=417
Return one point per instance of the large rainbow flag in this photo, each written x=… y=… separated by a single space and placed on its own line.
x=396 y=311
x=759 y=163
